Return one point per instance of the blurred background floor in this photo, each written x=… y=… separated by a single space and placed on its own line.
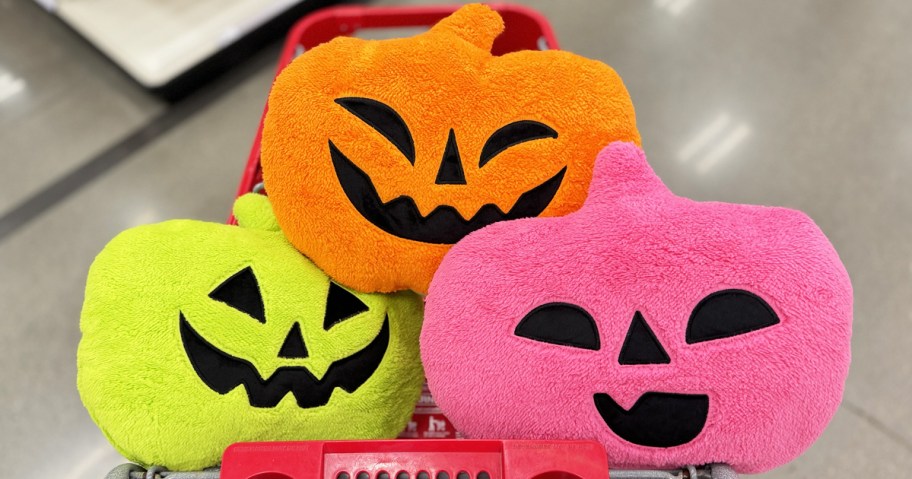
x=797 y=103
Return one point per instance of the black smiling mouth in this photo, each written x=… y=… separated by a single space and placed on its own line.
x=401 y=217
x=657 y=419
x=223 y=372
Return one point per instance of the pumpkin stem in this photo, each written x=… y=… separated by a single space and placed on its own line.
x=254 y=211
x=622 y=172
x=475 y=23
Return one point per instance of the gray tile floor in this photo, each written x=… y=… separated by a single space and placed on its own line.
x=804 y=103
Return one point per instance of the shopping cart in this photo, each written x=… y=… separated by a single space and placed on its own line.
x=421 y=458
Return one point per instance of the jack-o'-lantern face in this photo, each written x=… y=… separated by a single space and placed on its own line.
x=401 y=217
x=657 y=419
x=198 y=335
x=673 y=332
x=379 y=155
x=223 y=372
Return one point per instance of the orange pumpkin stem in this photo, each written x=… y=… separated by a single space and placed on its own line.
x=475 y=23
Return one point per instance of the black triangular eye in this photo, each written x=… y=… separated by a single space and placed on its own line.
x=341 y=305
x=560 y=323
x=728 y=313
x=383 y=119
x=242 y=292
x=641 y=346
x=514 y=134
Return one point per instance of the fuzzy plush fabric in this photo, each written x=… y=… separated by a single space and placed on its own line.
x=675 y=332
x=379 y=155
x=198 y=335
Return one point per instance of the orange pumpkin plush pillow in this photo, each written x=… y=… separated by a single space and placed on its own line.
x=379 y=155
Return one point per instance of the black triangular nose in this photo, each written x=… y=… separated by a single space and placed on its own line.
x=450 y=172
x=641 y=345
x=293 y=347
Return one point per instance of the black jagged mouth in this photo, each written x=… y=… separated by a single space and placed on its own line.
x=657 y=419
x=223 y=372
x=401 y=217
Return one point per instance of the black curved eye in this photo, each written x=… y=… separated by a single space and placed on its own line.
x=242 y=292
x=560 y=323
x=341 y=305
x=728 y=313
x=383 y=119
x=514 y=134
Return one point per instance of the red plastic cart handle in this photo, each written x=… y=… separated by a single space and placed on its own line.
x=424 y=459
x=405 y=459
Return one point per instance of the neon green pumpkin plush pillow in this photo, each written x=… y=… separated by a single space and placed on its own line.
x=197 y=335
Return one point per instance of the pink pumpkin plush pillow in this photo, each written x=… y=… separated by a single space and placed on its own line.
x=674 y=332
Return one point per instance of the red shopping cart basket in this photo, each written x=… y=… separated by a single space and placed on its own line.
x=442 y=458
